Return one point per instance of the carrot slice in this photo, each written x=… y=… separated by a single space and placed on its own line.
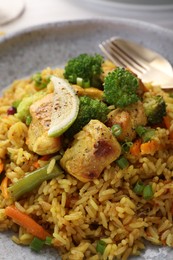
x=167 y=121
x=149 y=147
x=4 y=186
x=36 y=164
x=43 y=158
x=1 y=167
x=26 y=222
x=135 y=148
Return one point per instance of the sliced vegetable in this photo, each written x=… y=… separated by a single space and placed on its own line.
x=148 y=192
x=16 y=103
x=139 y=187
x=149 y=147
x=33 y=180
x=167 y=121
x=1 y=167
x=100 y=247
x=141 y=130
x=26 y=222
x=36 y=165
x=37 y=244
x=28 y=119
x=135 y=148
x=116 y=130
x=122 y=162
x=4 y=185
x=82 y=83
x=126 y=146
x=48 y=241
x=39 y=81
x=146 y=133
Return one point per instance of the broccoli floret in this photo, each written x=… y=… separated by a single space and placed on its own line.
x=155 y=108
x=88 y=109
x=84 y=70
x=120 y=88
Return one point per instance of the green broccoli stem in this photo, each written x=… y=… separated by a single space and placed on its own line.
x=32 y=181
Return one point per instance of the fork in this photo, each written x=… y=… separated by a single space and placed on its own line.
x=146 y=64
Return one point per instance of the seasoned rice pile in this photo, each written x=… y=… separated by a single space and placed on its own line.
x=79 y=214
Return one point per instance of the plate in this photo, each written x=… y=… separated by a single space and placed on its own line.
x=156 y=4
x=52 y=45
x=155 y=11
x=144 y=2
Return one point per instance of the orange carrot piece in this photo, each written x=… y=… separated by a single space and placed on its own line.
x=4 y=185
x=135 y=148
x=36 y=164
x=1 y=167
x=42 y=158
x=167 y=122
x=149 y=147
x=26 y=222
x=171 y=135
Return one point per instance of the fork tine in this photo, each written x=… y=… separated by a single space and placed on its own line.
x=110 y=56
x=119 y=56
x=130 y=60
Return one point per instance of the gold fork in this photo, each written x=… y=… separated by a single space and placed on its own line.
x=147 y=64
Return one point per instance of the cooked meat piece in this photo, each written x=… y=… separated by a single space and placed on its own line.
x=137 y=114
x=38 y=140
x=128 y=118
x=93 y=149
x=122 y=118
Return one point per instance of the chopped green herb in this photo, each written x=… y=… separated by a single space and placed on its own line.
x=146 y=133
x=48 y=241
x=16 y=103
x=139 y=187
x=101 y=245
x=32 y=180
x=37 y=244
x=141 y=130
x=116 y=130
x=28 y=119
x=83 y=83
x=126 y=146
x=148 y=192
x=122 y=162
x=39 y=81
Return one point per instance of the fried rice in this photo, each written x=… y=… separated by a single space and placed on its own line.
x=79 y=214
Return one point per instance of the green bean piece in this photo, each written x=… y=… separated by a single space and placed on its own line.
x=33 y=180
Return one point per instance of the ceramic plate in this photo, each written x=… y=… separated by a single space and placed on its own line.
x=52 y=45
x=154 y=11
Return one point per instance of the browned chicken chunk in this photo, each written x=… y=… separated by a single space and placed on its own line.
x=93 y=149
x=128 y=119
x=38 y=140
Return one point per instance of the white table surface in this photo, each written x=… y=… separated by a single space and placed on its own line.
x=43 y=11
